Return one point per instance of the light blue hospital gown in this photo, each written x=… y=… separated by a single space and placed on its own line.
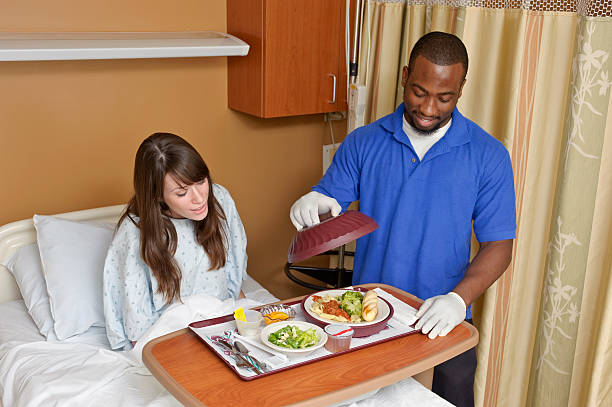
x=131 y=301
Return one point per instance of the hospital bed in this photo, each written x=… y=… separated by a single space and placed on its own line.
x=37 y=368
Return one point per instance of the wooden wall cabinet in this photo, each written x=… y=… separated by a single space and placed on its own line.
x=296 y=64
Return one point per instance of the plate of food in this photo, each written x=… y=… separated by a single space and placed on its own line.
x=364 y=311
x=293 y=338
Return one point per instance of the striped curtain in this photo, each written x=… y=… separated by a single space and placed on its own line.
x=539 y=80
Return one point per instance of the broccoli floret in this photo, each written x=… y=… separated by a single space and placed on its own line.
x=352 y=296
x=350 y=301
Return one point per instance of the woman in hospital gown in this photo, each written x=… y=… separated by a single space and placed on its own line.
x=181 y=235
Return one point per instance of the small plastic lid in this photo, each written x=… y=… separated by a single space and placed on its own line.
x=339 y=331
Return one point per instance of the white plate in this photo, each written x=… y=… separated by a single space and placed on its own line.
x=383 y=309
x=293 y=352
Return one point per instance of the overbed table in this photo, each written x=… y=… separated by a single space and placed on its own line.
x=193 y=374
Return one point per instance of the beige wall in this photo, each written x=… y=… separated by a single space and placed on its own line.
x=69 y=129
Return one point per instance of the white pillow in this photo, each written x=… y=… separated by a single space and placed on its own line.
x=72 y=255
x=27 y=270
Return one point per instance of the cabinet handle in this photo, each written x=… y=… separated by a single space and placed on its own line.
x=334 y=89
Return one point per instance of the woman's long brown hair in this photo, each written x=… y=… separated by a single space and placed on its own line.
x=158 y=155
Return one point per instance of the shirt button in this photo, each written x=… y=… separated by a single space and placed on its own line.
x=413 y=160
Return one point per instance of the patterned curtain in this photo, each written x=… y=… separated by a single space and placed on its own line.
x=539 y=81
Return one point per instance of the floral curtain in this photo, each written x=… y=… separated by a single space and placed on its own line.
x=539 y=80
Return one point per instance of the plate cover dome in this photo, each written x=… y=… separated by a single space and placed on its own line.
x=329 y=234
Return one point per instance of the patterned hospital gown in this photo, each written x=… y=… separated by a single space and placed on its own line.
x=131 y=301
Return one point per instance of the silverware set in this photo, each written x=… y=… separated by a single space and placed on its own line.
x=241 y=354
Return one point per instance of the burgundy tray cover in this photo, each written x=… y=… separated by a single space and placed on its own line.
x=329 y=234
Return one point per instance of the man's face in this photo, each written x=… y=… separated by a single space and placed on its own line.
x=431 y=93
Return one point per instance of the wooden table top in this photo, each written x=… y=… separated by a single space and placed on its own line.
x=193 y=374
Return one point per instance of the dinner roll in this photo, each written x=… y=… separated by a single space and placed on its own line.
x=369 y=306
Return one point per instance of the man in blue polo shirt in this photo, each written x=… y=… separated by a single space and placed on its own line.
x=426 y=174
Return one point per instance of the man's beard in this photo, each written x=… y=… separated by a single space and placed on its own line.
x=424 y=132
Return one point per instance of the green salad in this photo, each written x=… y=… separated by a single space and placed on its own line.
x=351 y=302
x=293 y=337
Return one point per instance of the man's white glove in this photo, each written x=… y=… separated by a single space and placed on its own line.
x=306 y=210
x=440 y=314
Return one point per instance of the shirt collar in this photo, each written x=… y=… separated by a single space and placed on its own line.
x=456 y=135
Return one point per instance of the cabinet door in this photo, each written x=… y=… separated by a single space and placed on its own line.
x=303 y=61
x=296 y=57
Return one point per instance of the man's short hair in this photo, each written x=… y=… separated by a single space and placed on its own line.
x=440 y=48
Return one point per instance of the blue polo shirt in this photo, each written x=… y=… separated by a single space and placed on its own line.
x=424 y=209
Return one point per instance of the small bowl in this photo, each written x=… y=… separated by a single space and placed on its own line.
x=268 y=309
x=293 y=353
x=252 y=324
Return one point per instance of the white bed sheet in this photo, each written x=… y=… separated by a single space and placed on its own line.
x=16 y=324
x=82 y=370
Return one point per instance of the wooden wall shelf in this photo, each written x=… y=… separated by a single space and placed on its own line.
x=118 y=45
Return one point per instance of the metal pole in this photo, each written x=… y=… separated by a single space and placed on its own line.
x=340 y=266
x=356 y=28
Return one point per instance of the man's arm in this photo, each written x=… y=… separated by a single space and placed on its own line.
x=487 y=266
x=440 y=314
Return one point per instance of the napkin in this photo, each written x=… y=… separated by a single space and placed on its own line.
x=402 y=312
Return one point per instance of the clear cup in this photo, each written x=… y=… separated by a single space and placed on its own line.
x=338 y=337
x=252 y=324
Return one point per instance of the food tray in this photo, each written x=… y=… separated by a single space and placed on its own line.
x=209 y=328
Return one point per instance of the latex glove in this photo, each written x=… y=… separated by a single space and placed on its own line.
x=440 y=314
x=306 y=210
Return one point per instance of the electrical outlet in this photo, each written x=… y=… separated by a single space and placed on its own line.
x=328 y=154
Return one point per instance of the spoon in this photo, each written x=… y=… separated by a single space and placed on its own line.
x=240 y=347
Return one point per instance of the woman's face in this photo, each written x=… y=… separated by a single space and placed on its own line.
x=186 y=201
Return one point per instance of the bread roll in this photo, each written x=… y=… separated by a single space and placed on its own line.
x=369 y=306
